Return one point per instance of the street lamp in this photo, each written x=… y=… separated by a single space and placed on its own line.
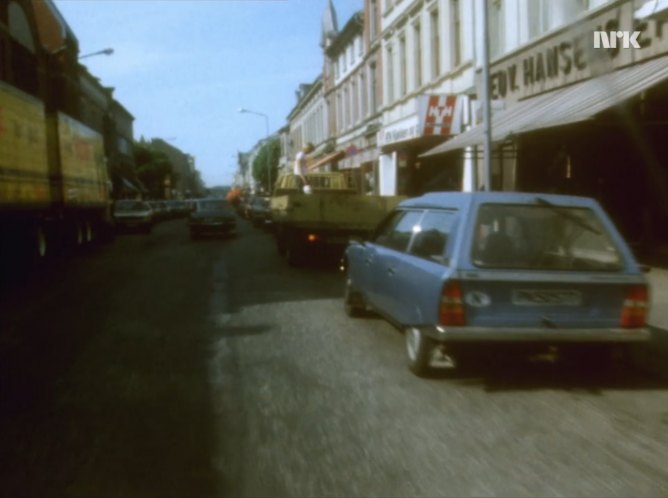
x=487 y=105
x=106 y=51
x=266 y=122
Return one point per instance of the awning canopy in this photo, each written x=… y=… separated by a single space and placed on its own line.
x=572 y=104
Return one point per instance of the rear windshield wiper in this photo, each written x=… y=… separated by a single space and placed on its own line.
x=568 y=215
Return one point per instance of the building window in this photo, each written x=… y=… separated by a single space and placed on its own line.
x=373 y=21
x=363 y=97
x=354 y=102
x=402 y=66
x=456 y=32
x=339 y=113
x=496 y=29
x=544 y=15
x=417 y=49
x=435 y=45
x=390 y=74
x=373 y=96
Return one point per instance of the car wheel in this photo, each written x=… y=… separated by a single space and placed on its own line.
x=419 y=349
x=353 y=302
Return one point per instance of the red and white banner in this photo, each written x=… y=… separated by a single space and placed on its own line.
x=441 y=115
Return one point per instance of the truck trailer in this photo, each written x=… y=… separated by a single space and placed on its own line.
x=54 y=185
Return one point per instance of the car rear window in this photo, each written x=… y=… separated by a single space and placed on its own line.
x=214 y=205
x=127 y=206
x=542 y=237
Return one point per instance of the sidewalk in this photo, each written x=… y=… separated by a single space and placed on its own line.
x=654 y=355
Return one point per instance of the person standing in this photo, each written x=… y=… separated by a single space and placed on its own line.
x=301 y=163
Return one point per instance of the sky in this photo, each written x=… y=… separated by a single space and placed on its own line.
x=183 y=68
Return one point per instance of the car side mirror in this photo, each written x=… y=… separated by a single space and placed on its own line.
x=645 y=268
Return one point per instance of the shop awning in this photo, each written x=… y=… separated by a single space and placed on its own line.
x=572 y=104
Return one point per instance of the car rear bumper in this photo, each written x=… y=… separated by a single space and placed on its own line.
x=502 y=334
x=212 y=227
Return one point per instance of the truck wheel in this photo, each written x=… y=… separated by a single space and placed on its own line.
x=89 y=233
x=294 y=252
x=79 y=236
x=419 y=350
x=41 y=244
x=353 y=302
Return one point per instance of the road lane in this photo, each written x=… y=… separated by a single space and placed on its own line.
x=323 y=405
x=103 y=368
x=158 y=366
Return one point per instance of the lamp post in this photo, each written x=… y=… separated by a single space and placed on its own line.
x=266 y=122
x=106 y=51
x=487 y=105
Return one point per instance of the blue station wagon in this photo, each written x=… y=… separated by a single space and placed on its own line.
x=456 y=271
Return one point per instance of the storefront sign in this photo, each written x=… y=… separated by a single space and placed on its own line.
x=405 y=129
x=571 y=54
x=441 y=114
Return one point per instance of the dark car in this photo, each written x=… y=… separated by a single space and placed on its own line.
x=259 y=212
x=133 y=215
x=211 y=216
x=459 y=271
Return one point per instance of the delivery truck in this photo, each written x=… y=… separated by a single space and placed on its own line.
x=54 y=186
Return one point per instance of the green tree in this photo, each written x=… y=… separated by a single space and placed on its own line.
x=266 y=162
x=153 y=167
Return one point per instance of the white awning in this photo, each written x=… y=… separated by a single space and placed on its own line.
x=578 y=102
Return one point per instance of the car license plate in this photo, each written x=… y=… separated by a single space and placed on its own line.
x=534 y=297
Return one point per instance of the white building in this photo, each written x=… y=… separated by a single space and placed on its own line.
x=434 y=48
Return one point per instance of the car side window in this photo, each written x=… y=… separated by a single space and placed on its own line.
x=432 y=236
x=397 y=234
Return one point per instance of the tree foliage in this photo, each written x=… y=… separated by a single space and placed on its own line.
x=153 y=168
x=265 y=164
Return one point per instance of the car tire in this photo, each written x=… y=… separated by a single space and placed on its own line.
x=353 y=301
x=419 y=350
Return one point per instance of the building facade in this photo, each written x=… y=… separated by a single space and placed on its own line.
x=580 y=119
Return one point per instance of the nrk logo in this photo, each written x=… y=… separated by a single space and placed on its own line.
x=608 y=39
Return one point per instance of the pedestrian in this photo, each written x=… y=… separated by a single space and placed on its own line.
x=301 y=163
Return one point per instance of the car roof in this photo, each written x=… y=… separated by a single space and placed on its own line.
x=459 y=200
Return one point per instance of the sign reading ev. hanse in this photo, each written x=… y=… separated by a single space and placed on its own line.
x=607 y=39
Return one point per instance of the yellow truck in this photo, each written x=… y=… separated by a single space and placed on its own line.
x=54 y=188
x=324 y=219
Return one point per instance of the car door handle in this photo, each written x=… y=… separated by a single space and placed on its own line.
x=367 y=261
x=390 y=271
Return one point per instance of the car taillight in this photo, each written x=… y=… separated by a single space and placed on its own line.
x=634 y=309
x=451 y=309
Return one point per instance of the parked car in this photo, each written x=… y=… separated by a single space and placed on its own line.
x=133 y=215
x=177 y=208
x=459 y=271
x=211 y=216
x=259 y=211
x=160 y=210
